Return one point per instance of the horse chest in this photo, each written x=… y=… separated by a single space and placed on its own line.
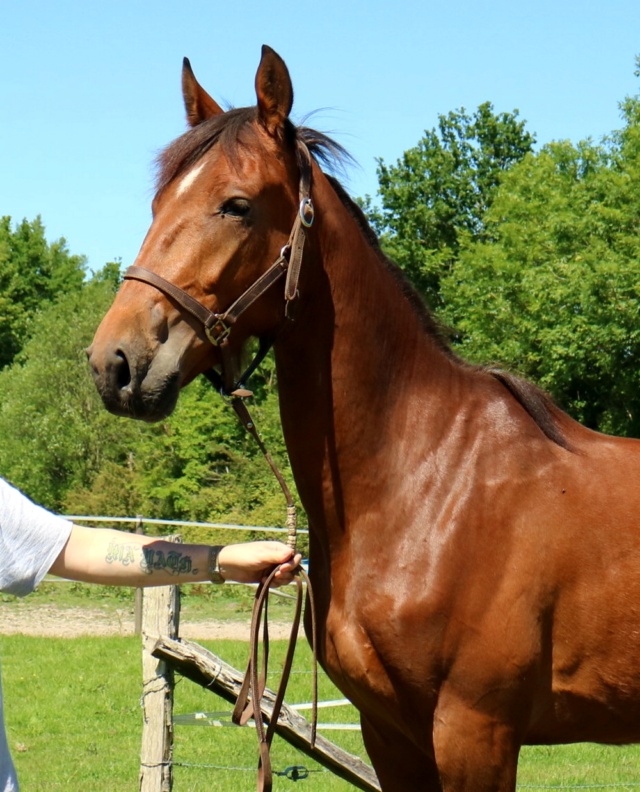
x=372 y=671
x=351 y=662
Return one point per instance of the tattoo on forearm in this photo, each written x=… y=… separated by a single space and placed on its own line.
x=121 y=553
x=149 y=559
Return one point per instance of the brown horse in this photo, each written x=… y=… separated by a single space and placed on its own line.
x=475 y=552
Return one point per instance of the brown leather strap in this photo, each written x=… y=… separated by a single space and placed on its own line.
x=216 y=325
x=305 y=168
x=298 y=238
x=249 y=701
x=183 y=298
x=247 y=298
x=303 y=221
x=244 y=416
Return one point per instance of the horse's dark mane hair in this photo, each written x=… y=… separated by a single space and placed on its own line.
x=534 y=400
x=430 y=324
x=235 y=129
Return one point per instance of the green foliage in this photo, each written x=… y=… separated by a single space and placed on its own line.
x=32 y=274
x=440 y=190
x=65 y=451
x=553 y=289
x=56 y=434
x=533 y=258
x=201 y=465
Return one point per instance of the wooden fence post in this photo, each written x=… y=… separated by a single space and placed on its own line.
x=137 y=609
x=160 y=617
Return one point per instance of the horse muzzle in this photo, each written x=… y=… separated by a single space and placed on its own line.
x=134 y=385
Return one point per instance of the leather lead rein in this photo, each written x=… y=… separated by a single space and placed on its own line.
x=249 y=701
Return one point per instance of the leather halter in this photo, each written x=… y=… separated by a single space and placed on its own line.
x=217 y=328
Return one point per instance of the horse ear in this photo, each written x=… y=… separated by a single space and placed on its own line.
x=273 y=90
x=197 y=102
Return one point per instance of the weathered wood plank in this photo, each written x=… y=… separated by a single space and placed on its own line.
x=207 y=669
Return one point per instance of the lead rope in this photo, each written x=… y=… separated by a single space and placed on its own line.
x=249 y=702
x=246 y=420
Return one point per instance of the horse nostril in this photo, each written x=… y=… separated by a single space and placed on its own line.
x=122 y=371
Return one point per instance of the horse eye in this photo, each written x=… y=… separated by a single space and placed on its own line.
x=236 y=207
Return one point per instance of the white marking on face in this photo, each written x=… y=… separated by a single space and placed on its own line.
x=189 y=179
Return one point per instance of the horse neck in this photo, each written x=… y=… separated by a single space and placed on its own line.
x=352 y=365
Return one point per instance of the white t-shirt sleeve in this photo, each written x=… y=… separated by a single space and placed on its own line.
x=31 y=539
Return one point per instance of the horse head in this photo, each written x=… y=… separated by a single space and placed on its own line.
x=227 y=198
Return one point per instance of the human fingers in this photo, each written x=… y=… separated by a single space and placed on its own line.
x=289 y=568
x=285 y=573
x=279 y=574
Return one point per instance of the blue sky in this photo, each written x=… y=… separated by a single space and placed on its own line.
x=89 y=92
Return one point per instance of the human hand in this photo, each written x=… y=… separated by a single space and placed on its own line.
x=252 y=562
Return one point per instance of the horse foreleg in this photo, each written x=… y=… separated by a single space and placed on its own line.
x=400 y=766
x=474 y=752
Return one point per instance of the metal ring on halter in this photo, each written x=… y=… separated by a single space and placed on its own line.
x=306 y=207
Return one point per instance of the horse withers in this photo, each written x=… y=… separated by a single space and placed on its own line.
x=475 y=552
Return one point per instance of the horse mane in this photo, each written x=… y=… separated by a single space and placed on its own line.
x=230 y=129
x=533 y=399
x=234 y=131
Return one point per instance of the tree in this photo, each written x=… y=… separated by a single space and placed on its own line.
x=441 y=189
x=552 y=288
x=67 y=452
x=32 y=274
x=56 y=434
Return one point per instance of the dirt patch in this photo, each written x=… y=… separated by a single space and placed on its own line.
x=48 y=620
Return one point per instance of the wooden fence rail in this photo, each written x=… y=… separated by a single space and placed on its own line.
x=164 y=653
x=207 y=669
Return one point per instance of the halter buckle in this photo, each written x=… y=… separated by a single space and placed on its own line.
x=218 y=332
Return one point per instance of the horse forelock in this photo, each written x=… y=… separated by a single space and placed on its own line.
x=235 y=130
x=231 y=130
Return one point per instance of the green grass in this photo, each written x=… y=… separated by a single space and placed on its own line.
x=580 y=766
x=74 y=721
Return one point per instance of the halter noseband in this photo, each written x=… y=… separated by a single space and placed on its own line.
x=218 y=326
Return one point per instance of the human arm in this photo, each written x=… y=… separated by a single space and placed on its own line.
x=117 y=558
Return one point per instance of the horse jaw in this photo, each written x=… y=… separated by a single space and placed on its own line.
x=137 y=380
